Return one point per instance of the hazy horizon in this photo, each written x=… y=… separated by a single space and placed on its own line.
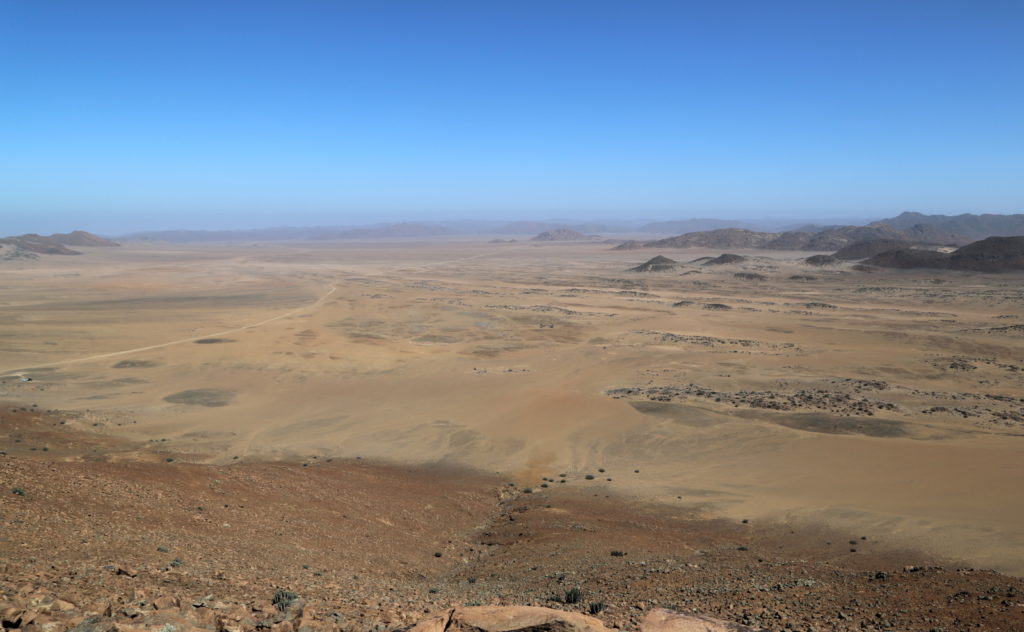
x=128 y=117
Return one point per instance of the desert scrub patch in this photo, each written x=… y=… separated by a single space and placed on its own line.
x=211 y=397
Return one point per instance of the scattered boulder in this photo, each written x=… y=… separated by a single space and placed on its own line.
x=533 y=619
x=508 y=619
x=662 y=620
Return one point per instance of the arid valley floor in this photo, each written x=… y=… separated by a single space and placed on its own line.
x=388 y=429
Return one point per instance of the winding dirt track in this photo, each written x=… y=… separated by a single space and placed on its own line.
x=316 y=303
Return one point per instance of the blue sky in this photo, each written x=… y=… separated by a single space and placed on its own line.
x=131 y=115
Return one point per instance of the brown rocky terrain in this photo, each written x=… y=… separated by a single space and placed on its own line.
x=102 y=534
x=727 y=431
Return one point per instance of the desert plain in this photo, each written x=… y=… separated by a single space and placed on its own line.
x=815 y=404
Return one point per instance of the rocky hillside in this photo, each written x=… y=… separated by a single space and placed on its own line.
x=56 y=244
x=102 y=535
x=968 y=224
x=657 y=264
x=994 y=254
x=38 y=244
x=872 y=247
x=824 y=240
x=82 y=238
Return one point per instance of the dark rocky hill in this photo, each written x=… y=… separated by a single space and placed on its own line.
x=38 y=244
x=832 y=238
x=720 y=238
x=871 y=247
x=994 y=254
x=83 y=238
x=968 y=224
x=656 y=264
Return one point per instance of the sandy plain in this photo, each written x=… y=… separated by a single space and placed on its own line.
x=884 y=403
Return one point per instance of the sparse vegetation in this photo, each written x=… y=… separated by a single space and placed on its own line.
x=573 y=595
x=596 y=607
x=18 y=491
x=283 y=599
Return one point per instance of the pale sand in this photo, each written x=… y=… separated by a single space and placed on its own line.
x=499 y=356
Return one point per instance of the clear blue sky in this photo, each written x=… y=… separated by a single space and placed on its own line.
x=165 y=114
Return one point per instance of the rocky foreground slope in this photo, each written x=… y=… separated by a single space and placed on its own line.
x=100 y=535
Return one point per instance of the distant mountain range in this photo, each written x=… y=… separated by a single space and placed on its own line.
x=563 y=234
x=824 y=240
x=57 y=243
x=404 y=230
x=968 y=225
x=702 y=232
x=690 y=225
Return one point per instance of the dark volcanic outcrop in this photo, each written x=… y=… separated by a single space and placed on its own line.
x=657 y=264
x=910 y=258
x=725 y=258
x=871 y=247
x=994 y=254
x=821 y=260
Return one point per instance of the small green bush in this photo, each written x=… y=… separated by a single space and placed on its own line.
x=573 y=596
x=283 y=599
x=596 y=607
